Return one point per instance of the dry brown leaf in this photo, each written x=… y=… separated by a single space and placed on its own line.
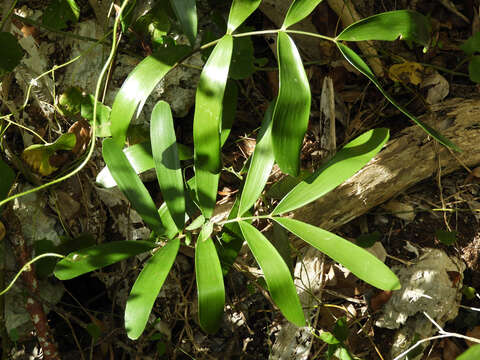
x=439 y=88
x=407 y=72
x=474 y=333
x=450 y=350
x=377 y=301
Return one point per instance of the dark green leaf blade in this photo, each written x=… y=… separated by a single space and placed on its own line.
x=473 y=353
x=12 y=52
x=389 y=26
x=472 y=45
x=95 y=257
x=146 y=288
x=276 y=273
x=59 y=13
x=141 y=158
x=139 y=84
x=342 y=166
x=361 y=66
x=186 y=12
x=299 y=10
x=474 y=69
x=208 y=107
x=130 y=184
x=229 y=110
x=206 y=185
x=6 y=180
x=359 y=261
x=292 y=108
x=209 y=277
x=239 y=12
x=167 y=161
x=260 y=166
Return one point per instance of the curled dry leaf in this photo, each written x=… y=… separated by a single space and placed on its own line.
x=439 y=88
x=81 y=129
x=377 y=301
x=407 y=72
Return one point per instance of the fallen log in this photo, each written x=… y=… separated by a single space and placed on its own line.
x=407 y=159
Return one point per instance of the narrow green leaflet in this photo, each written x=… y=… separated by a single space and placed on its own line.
x=130 y=184
x=6 y=180
x=170 y=228
x=356 y=259
x=206 y=185
x=239 y=12
x=342 y=166
x=361 y=66
x=299 y=10
x=12 y=52
x=167 y=161
x=141 y=158
x=260 y=166
x=146 y=288
x=208 y=107
x=92 y=258
x=139 y=84
x=292 y=108
x=473 y=353
x=389 y=26
x=276 y=273
x=186 y=12
x=209 y=277
x=229 y=110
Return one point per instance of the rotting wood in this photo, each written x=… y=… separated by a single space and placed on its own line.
x=406 y=160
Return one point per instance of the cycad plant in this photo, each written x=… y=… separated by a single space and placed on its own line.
x=189 y=204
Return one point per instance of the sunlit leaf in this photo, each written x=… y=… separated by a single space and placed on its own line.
x=186 y=12
x=208 y=107
x=155 y=24
x=146 y=288
x=472 y=353
x=292 y=108
x=299 y=9
x=60 y=13
x=361 y=66
x=38 y=156
x=209 y=277
x=260 y=166
x=130 y=184
x=359 y=261
x=239 y=12
x=139 y=84
x=167 y=162
x=346 y=162
x=390 y=26
x=12 y=52
x=92 y=258
x=103 y=115
x=141 y=159
x=229 y=110
x=276 y=273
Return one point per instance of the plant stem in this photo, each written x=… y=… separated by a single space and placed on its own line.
x=306 y=33
x=244 y=219
x=7 y=15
